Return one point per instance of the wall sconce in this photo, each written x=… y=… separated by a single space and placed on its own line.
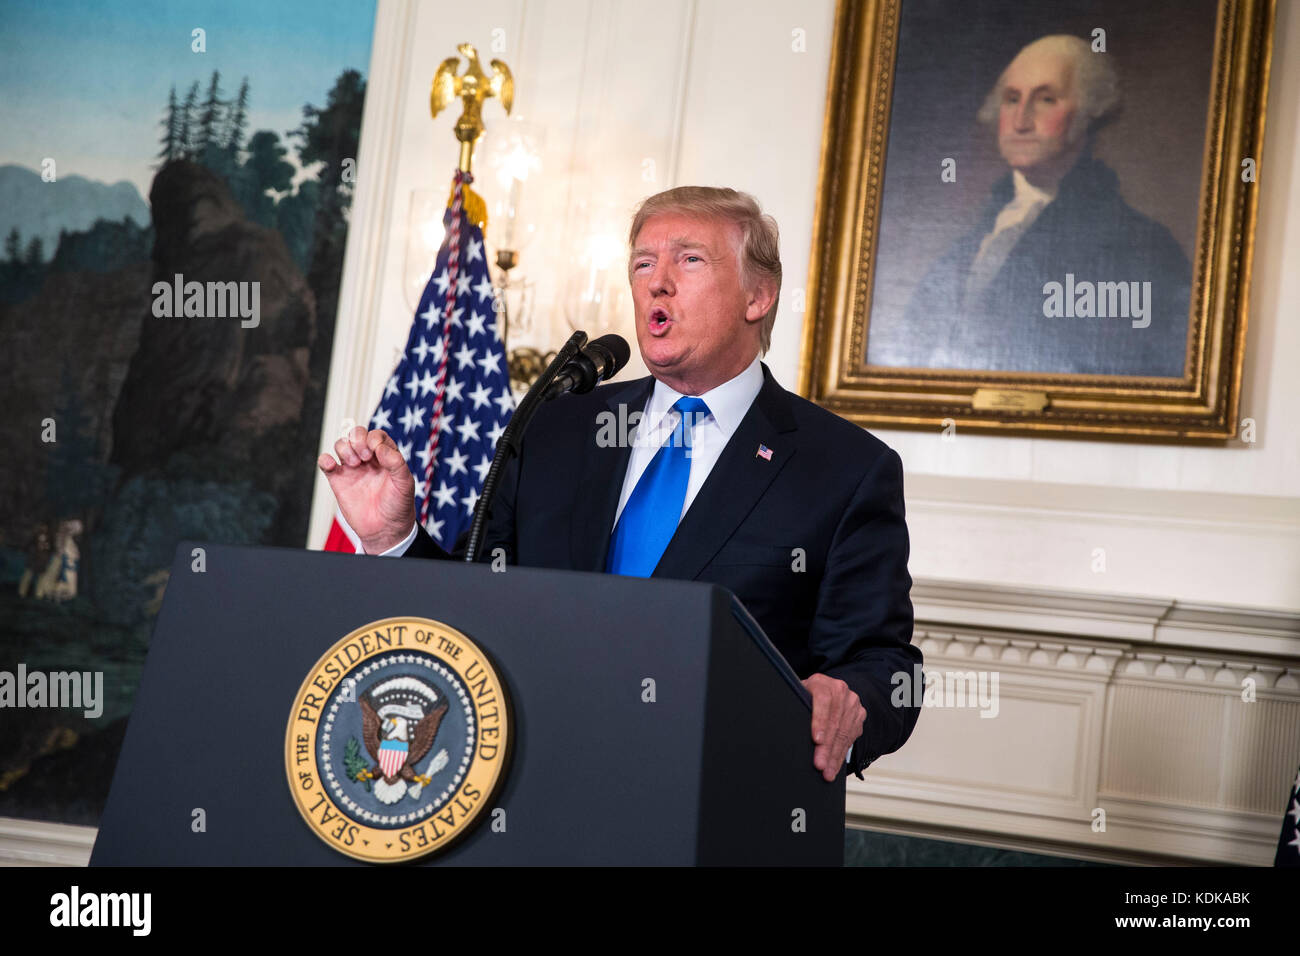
x=512 y=155
x=512 y=152
x=597 y=294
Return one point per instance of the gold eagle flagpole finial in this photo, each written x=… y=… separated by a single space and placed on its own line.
x=472 y=87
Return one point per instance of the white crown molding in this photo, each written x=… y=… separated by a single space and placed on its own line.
x=1151 y=507
x=1104 y=661
x=1137 y=620
x=1023 y=655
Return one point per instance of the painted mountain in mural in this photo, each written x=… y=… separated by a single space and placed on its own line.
x=40 y=209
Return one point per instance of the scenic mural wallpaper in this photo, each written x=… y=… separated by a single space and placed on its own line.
x=174 y=196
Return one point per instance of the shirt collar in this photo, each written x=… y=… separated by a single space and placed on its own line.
x=1027 y=192
x=728 y=403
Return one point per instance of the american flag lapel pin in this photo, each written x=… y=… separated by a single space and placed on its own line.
x=764 y=453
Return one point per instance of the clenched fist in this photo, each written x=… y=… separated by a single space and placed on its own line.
x=373 y=487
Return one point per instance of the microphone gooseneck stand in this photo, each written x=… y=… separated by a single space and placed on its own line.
x=511 y=439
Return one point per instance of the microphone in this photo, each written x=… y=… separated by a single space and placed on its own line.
x=597 y=361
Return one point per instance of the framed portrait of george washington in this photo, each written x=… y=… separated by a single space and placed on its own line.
x=1038 y=217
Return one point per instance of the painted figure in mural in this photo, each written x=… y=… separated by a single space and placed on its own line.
x=58 y=582
x=38 y=556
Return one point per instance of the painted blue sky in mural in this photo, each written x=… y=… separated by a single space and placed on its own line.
x=87 y=82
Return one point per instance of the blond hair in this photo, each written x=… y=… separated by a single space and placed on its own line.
x=760 y=248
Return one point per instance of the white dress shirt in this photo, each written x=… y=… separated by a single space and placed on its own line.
x=728 y=404
x=1022 y=206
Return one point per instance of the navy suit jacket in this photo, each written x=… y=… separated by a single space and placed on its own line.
x=838 y=605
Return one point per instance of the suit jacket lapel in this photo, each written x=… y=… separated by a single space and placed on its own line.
x=600 y=482
x=737 y=481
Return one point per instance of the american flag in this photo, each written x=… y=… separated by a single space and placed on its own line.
x=449 y=400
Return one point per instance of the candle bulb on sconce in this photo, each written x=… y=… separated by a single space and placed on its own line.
x=512 y=211
x=596 y=292
x=512 y=154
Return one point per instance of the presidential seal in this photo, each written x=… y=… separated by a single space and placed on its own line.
x=398 y=740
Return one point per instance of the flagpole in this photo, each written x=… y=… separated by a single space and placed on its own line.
x=471 y=88
x=509 y=442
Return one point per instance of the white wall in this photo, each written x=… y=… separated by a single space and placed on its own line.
x=635 y=98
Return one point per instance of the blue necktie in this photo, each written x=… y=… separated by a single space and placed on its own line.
x=649 y=519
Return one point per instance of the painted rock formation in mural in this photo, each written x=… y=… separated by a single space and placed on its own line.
x=220 y=382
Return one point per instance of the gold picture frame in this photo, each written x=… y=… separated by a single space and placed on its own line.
x=834 y=370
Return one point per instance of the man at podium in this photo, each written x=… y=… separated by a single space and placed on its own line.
x=726 y=478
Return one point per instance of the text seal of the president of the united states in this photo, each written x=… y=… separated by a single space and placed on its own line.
x=398 y=740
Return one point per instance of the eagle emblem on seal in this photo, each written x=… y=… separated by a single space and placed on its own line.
x=399 y=720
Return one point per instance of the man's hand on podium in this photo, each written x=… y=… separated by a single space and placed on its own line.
x=836 y=722
x=373 y=487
